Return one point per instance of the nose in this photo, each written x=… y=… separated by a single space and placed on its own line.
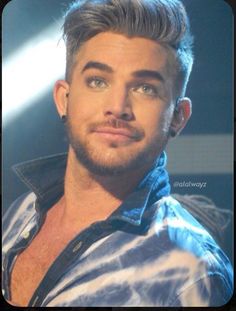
x=118 y=104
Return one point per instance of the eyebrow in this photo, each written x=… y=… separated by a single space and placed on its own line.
x=97 y=65
x=148 y=74
x=137 y=74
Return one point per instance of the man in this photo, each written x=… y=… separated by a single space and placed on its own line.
x=99 y=227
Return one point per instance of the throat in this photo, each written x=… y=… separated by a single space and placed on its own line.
x=106 y=188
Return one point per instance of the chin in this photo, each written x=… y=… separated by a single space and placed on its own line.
x=114 y=159
x=107 y=164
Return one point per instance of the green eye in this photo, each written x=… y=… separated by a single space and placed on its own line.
x=146 y=89
x=96 y=83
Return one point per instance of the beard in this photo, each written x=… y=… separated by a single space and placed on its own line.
x=113 y=161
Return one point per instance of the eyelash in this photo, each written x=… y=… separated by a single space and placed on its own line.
x=90 y=80
x=152 y=88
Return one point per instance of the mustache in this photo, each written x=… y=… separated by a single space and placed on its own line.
x=136 y=133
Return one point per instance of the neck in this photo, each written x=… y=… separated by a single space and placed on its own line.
x=94 y=197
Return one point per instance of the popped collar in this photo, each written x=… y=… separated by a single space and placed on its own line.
x=45 y=177
x=149 y=252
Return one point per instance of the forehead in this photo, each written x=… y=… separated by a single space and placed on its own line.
x=126 y=54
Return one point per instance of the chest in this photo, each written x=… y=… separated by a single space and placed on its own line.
x=33 y=263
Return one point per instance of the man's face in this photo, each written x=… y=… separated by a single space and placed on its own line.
x=120 y=103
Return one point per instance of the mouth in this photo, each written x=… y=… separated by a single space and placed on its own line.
x=115 y=134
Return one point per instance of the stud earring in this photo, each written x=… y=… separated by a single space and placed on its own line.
x=63 y=118
x=177 y=103
x=172 y=133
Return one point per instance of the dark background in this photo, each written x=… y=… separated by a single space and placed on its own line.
x=37 y=131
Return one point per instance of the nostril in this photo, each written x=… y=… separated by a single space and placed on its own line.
x=120 y=109
x=126 y=116
x=109 y=113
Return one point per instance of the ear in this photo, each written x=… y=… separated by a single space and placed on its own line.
x=60 y=95
x=181 y=116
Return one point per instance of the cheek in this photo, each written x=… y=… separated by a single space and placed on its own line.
x=156 y=122
x=77 y=116
x=165 y=118
x=81 y=107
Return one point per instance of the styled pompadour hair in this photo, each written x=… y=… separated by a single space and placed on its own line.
x=164 y=21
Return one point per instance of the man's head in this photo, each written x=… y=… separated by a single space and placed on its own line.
x=164 y=21
x=121 y=85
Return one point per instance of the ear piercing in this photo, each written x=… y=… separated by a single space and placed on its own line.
x=172 y=133
x=63 y=118
x=177 y=103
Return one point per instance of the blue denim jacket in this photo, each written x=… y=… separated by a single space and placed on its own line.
x=150 y=252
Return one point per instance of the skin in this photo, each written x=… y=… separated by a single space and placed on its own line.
x=121 y=116
x=107 y=91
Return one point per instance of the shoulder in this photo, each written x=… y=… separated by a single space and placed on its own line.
x=185 y=233
x=183 y=229
x=191 y=248
x=17 y=215
x=22 y=203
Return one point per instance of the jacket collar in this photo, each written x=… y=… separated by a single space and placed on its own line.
x=45 y=177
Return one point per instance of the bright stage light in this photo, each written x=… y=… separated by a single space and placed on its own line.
x=31 y=70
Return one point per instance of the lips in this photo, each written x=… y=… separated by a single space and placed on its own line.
x=116 y=132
